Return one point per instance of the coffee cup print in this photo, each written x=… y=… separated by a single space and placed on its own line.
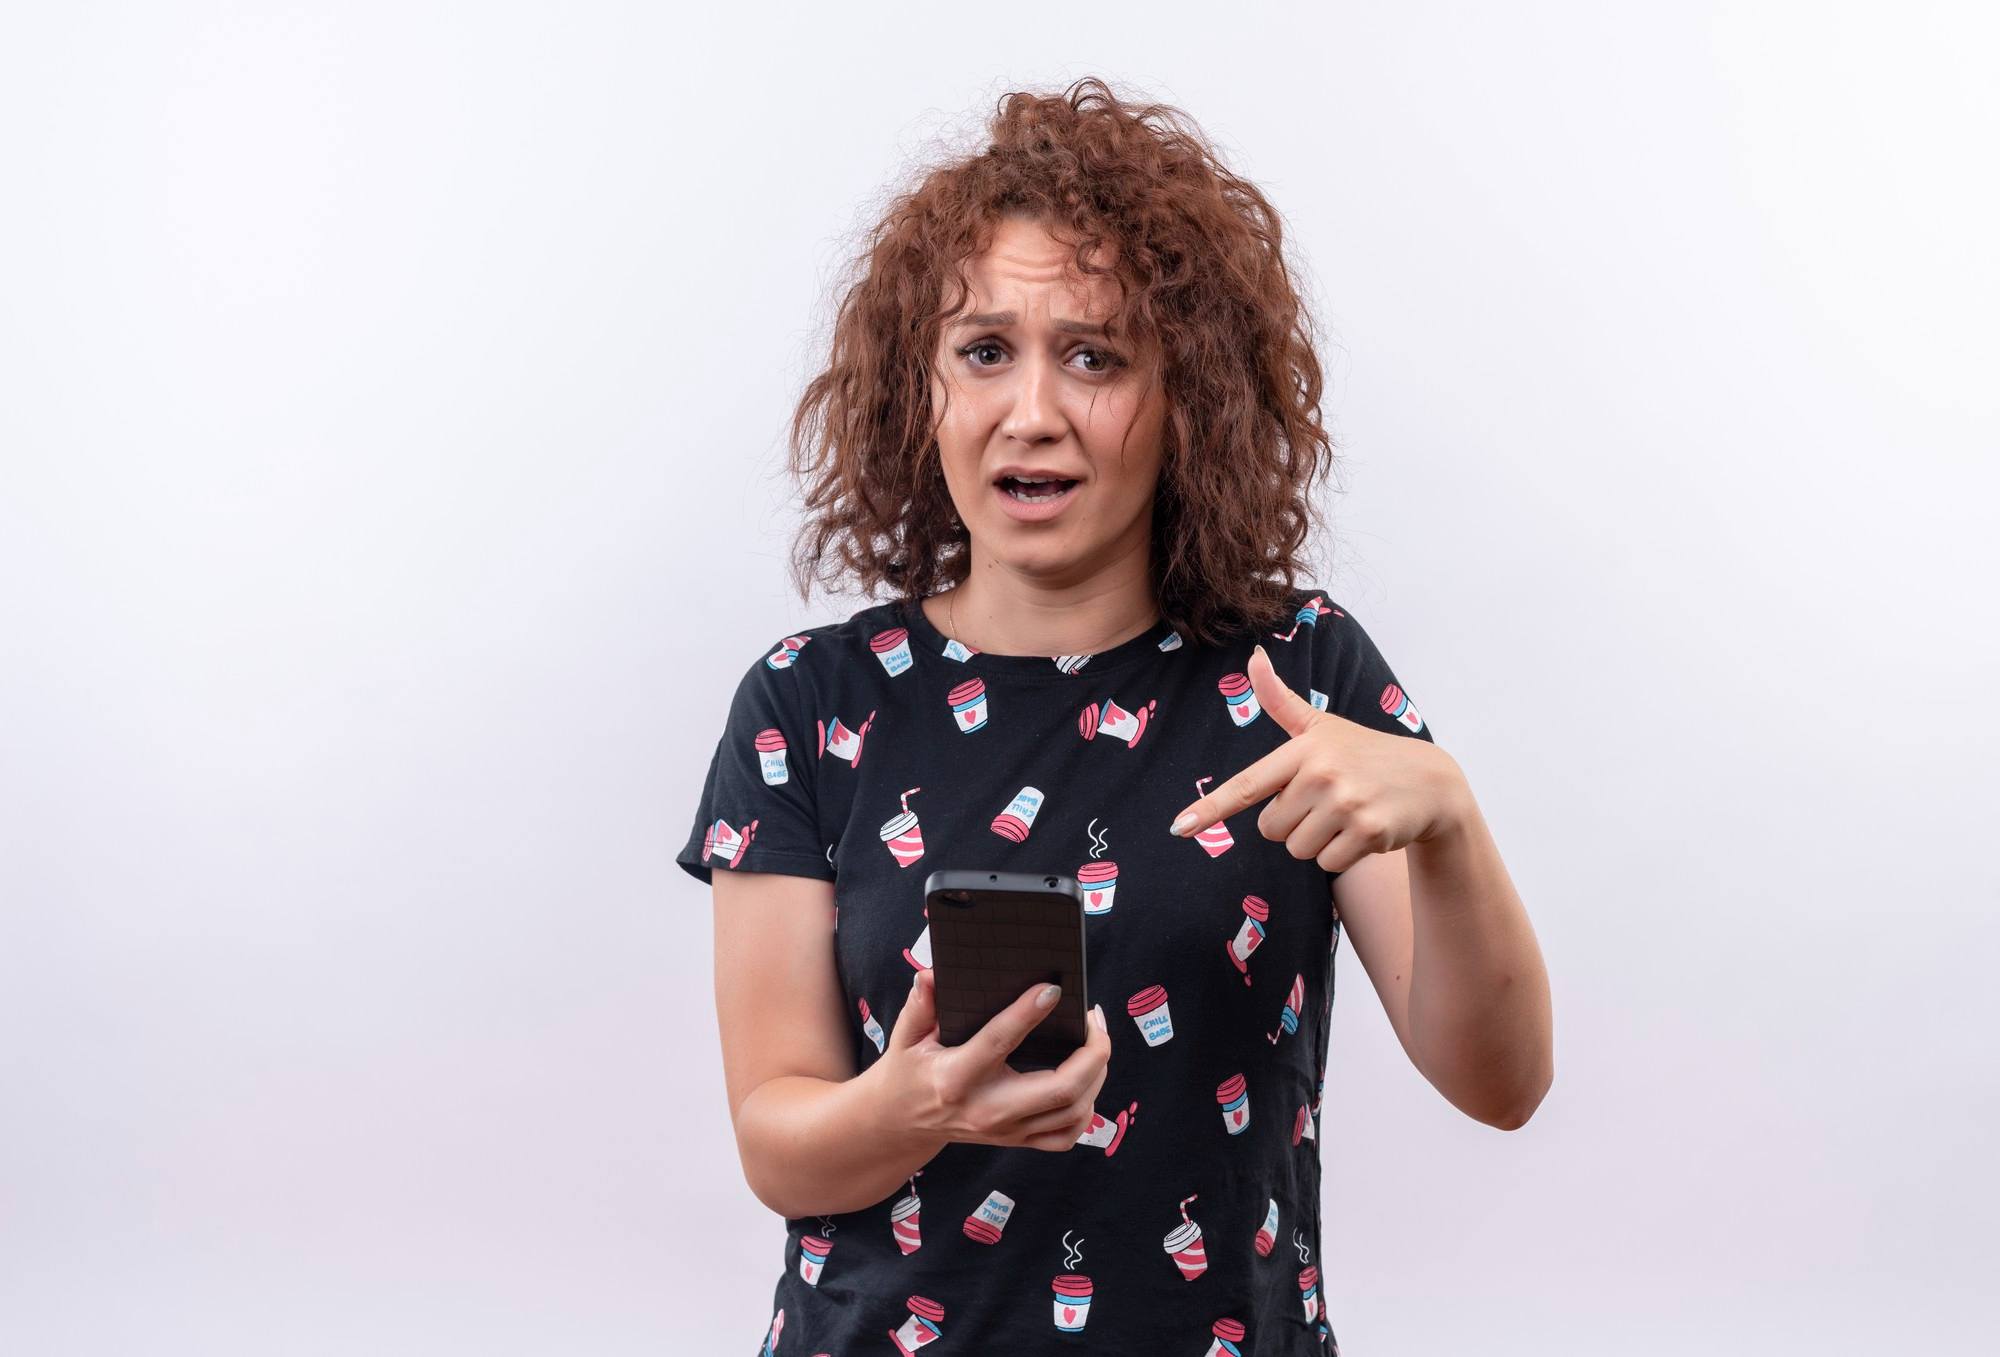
x=1216 y=839
x=1307 y=616
x=1397 y=703
x=843 y=743
x=1106 y=1135
x=1302 y=1126
x=1149 y=1009
x=955 y=649
x=1316 y=697
x=1114 y=721
x=1183 y=1245
x=1248 y=935
x=892 y=647
x=1019 y=817
x=919 y=955
x=1072 y=1302
x=906 y=1224
x=725 y=842
x=1069 y=664
x=787 y=651
x=1295 y=1000
x=1234 y=1095
x=1240 y=698
x=873 y=1029
x=968 y=705
x=1228 y=1334
x=1309 y=1292
x=1267 y=1233
x=1171 y=641
x=812 y=1257
x=989 y=1218
x=902 y=835
x=921 y=1328
x=771 y=756
x=1099 y=880
x=771 y=1339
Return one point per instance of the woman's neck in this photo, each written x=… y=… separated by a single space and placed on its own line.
x=1083 y=620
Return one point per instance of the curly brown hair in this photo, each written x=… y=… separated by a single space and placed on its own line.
x=1204 y=287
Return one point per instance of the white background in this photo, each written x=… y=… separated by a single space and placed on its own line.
x=391 y=412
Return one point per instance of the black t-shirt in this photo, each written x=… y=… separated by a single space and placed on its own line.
x=874 y=751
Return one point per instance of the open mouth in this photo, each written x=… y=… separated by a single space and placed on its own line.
x=1035 y=492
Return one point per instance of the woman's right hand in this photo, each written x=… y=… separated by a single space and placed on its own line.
x=970 y=1092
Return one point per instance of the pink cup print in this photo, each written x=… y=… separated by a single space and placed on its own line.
x=1302 y=1126
x=771 y=1338
x=873 y=1029
x=919 y=955
x=1397 y=703
x=1019 y=817
x=841 y=742
x=921 y=1327
x=1234 y=1095
x=1072 y=1302
x=771 y=756
x=1105 y=1135
x=1267 y=1233
x=787 y=651
x=903 y=837
x=905 y=1223
x=892 y=647
x=1069 y=664
x=968 y=705
x=990 y=1218
x=1114 y=721
x=1099 y=880
x=1216 y=839
x=1316 y=697
x=812 y=1257
x=1149 y=1009
x=1309 y=1292
x=1255 y=912
x=725 y=842
x=1228 y=1333
x=1242 y=699
x=1184 y=1246
x=1295 y=1002
x=955 y=649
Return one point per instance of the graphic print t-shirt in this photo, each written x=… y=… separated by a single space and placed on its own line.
x=874 y=751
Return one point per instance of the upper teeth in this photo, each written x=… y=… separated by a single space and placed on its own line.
x=1036 y=480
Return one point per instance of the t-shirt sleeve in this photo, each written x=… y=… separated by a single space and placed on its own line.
x=758 y=811
x=1360 y=684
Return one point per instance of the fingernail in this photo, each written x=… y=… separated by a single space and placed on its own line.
x=1097 y=1016
x=1048 y=996
x=1180 y=825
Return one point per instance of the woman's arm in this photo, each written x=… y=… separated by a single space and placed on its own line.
x=815 y=1138
x=1447 y=943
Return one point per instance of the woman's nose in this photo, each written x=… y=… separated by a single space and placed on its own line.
x=1034 y=415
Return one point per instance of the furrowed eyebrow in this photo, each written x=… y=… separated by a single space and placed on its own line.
x=995 y=318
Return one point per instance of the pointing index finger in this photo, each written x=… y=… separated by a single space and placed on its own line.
x=1261 y=779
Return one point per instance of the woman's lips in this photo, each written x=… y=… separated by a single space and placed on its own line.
x=1036 y=511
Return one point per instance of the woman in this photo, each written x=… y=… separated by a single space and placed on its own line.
x=1070 y=422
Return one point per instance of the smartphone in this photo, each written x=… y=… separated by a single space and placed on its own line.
x=993 y=934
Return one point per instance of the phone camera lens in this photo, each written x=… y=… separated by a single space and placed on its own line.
x=1051 y=881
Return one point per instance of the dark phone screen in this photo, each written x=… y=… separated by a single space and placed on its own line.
x=987 y=950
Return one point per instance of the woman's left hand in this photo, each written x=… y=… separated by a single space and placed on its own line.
x=1343 y=790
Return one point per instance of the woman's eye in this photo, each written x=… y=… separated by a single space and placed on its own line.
x=1104 y=361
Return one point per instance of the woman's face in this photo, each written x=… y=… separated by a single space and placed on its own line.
x=1033 y=393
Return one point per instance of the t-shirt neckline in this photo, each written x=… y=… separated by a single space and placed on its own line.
x=934 y=642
